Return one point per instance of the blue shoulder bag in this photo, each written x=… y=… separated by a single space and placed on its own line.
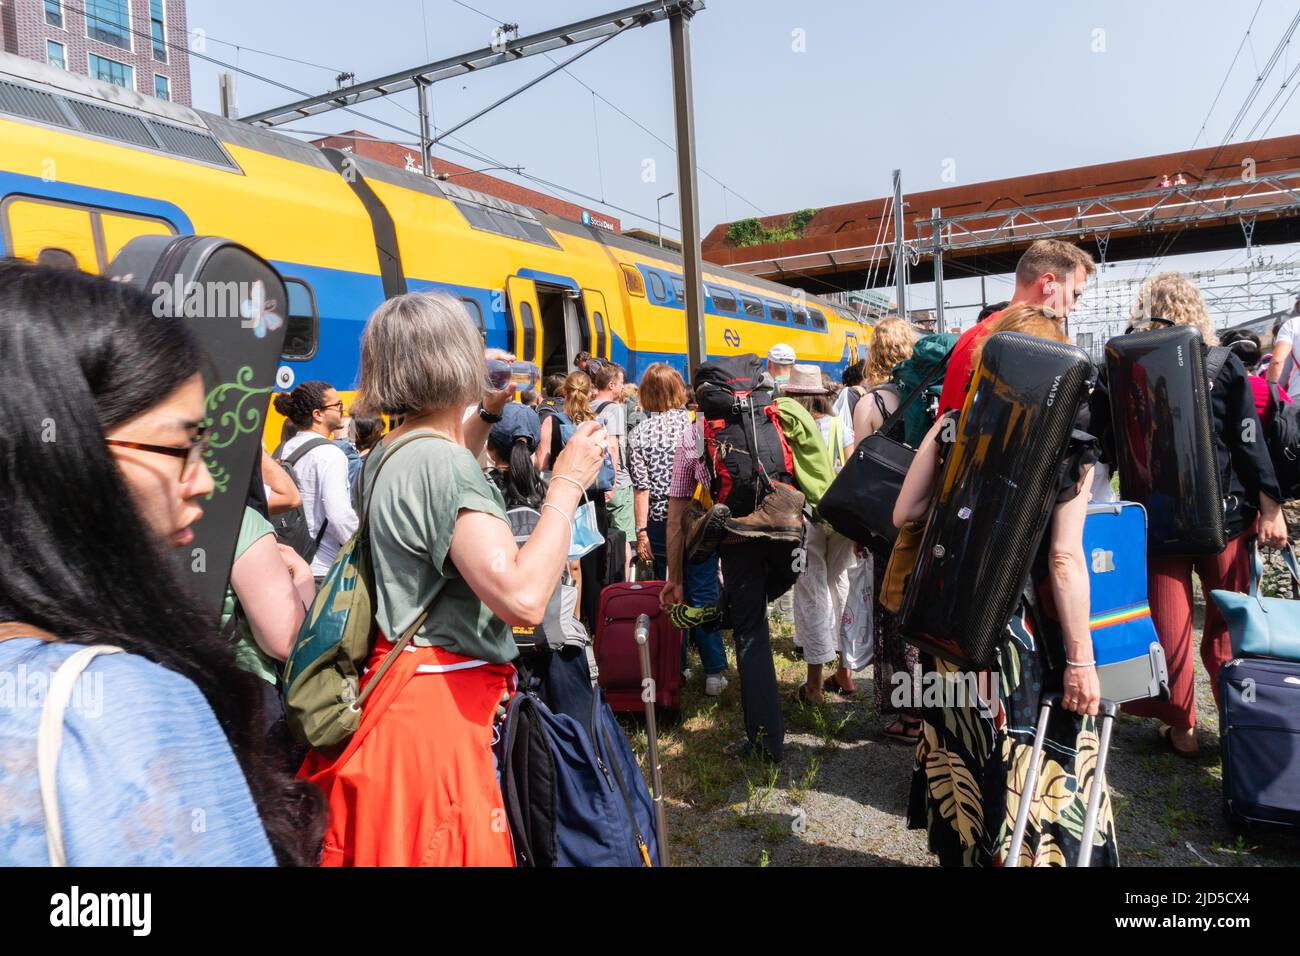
x=1261 y=626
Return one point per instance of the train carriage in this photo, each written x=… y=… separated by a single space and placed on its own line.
x=86 y=166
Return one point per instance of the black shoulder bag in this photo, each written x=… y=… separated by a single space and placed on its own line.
x=859 y=504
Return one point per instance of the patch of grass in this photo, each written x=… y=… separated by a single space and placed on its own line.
x=799 y=787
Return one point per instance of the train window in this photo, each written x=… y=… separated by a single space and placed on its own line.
x=679 y=289
x=632 y=277
x=302 y=333
x=779 y=313
x=753 y=308
x=800 y=317
x=504 y=222
x=723 y=300
x=657 y=288
x=475 y=312
x=818 y=320
x=119 y=230
x=34 y=225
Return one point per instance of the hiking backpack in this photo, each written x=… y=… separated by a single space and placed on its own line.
x=929 y=352
x=605 y=478
x=291 y=526
x=572 y=790
x=743 y=440
x=560 y=626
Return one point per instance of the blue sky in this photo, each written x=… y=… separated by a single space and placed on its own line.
x=797 y=105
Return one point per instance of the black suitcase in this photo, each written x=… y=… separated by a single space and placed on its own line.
x=1259 y=730
x=235 y=303
x=996 y=495
x=1164 y=439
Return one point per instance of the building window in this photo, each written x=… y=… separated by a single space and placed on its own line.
x=157 y=31
x=109 y=21
x=54 y=13
x=110 y=71
x=161 y=87
x=55 y=55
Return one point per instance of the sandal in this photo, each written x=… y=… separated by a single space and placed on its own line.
x=1166 y=735
x=906 y=731
x=801 y=696
x=831 y=685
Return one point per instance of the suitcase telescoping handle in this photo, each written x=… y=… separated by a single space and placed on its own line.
x=1106 y=722
x=642 y=636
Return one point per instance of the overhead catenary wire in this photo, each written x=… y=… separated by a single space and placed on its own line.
x=625 y=114
x=471 y=152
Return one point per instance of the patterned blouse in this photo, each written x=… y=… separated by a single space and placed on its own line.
x=650 y=455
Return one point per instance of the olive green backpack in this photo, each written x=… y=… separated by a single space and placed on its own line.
x=322 y=677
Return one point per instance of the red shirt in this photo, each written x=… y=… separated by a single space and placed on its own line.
x=957 y=377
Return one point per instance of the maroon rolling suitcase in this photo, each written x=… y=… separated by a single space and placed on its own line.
x=618 y=658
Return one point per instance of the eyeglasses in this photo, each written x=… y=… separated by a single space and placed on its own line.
x=338 y=405
x=193 y=454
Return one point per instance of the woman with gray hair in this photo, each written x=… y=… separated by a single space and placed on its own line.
x=416 y=785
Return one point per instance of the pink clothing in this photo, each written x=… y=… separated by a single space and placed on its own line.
x=1262 y=398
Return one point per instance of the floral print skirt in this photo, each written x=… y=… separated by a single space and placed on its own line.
x=973 y=757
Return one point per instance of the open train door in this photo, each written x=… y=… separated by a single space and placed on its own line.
x=524 y=309
x=598 y=322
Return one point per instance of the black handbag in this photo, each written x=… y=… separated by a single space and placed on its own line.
x=859 y=504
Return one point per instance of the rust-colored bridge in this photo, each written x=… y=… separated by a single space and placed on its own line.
x=1202 y=200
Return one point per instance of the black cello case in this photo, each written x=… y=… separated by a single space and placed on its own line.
x=995 y=497
x=1164 y=438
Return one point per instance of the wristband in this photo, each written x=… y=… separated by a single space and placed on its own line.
x=1070 y=663
x=572 y=481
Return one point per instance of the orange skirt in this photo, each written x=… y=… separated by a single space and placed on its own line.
x=416 y=784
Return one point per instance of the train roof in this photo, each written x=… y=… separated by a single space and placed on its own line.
x=45 y=94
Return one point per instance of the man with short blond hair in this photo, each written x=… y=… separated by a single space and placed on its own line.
x=1051 y=274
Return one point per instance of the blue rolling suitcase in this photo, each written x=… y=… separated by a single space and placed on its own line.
x=1259 y=730
x=1130 y=660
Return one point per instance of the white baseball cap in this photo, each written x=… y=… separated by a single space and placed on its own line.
x=781 y=354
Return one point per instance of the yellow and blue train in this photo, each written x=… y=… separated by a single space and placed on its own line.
x=87 y=166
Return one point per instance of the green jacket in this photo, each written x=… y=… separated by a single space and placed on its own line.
x=813 y=468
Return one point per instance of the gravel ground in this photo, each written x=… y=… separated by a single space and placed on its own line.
x=840 y=795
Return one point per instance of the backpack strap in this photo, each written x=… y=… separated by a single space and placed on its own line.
x=49 y=741
x=925 y=383
x=364 y=531
x=1215 y=357
x=304 y=448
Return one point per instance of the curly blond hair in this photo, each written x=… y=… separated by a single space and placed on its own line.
x=1173 y=296
x=891 y=343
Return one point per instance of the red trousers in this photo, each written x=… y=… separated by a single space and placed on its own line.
x=416 y=784
x=1169 y=584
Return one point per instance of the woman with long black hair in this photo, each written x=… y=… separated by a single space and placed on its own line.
x=101 y=461
x=511 y=444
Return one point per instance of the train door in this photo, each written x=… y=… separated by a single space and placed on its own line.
x=561 y=329
x=598 y=322
x=851 y=347
x=522 y=296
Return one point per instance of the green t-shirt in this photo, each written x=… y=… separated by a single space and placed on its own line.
x=247 y=654
x=412 y=518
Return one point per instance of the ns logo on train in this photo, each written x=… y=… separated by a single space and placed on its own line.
x=731 y=337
